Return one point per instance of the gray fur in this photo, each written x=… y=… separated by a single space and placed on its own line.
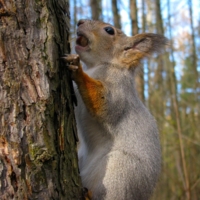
x=119 y=153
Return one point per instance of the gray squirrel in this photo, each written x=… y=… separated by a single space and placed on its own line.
x=119 y=152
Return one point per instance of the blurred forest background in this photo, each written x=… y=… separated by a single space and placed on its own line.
x=168 y=84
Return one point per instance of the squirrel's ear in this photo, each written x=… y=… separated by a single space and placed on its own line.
x=141 y=46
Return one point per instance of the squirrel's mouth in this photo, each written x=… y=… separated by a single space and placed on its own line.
x=81 y=40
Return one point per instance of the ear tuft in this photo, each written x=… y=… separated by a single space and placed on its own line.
x=141 y=46
x=149 y=42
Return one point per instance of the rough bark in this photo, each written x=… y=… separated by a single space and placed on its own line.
x=38 y=158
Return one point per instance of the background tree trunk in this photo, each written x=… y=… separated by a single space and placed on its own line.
x=38 y=158
x=139 y=79
x=159 y=83
x=133 y=17
x=175 y=103
x=116 y=15
x=96 y=9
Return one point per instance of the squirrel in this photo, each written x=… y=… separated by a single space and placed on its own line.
x=119 y=152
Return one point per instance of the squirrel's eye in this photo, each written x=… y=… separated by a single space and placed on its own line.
x=109 y=30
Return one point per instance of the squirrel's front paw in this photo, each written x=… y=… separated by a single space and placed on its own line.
x=73 y=61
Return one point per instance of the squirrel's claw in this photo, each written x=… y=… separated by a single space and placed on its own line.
x=73 y=67
x=73 y=61
x=73 y=58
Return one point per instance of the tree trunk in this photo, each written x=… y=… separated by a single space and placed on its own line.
x=116 y=16
x=38 y=158
x=143 y=16
x=159 y=89
x=175 y=103
x=139 y=79
x=133 y=16
x=96 y=9
x=194 y=62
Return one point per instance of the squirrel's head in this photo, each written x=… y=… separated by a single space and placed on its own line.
x=98 y=42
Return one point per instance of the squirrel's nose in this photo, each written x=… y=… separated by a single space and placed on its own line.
x=81 y=21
